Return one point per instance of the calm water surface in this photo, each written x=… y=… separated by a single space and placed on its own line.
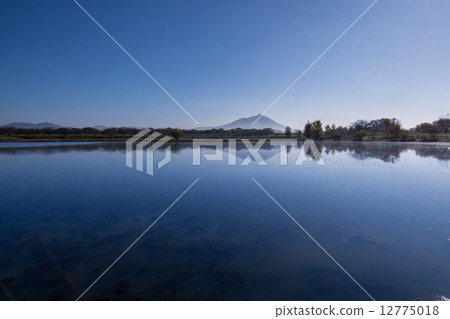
x=382 y=210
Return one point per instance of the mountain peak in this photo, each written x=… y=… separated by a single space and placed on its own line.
x=254 y=116
x=247 y=123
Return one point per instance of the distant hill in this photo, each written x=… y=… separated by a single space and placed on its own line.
x=101 y=127
x=54 y=126
x=246 y=123
x=31 y=125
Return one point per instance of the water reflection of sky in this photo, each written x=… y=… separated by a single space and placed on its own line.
x=381 y=209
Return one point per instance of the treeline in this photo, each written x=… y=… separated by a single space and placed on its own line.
x=65 y=132
x=379 y=129
x=384 y=129
x=126 y=132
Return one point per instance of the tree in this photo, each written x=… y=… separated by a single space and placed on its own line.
x=89 y=130
x=443 y=123
x=333 y=132
x=433 y=131
x=299 y=134
x=288 y=131
x=111 y=131
x=175 y=133
x=430 y=129
x=327 y=130
x=394 y=131
x=359 y=135
x=388 y=124
x=308 y=130
x=423 y=127
x=360 y=125
x=62 y=131
x=404 y=136
x=267 y=131
x=317 y=131
x=48 y=131
x=10 y=131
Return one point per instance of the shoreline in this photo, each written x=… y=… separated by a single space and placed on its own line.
x=191 y=139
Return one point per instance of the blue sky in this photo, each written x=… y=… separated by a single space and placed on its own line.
x=223 y=60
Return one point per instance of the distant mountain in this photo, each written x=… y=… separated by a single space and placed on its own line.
x=246 y=123
x=31 y=125
x=52 y=125
x=101 y=127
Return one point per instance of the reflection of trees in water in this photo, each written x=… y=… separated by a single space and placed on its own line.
x=177 y=147
x=387 y=152
x=66 y=148
x=440 y=153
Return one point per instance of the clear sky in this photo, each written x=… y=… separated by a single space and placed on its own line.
x=223 y=60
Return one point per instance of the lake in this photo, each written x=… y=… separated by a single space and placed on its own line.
x=69 y=210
